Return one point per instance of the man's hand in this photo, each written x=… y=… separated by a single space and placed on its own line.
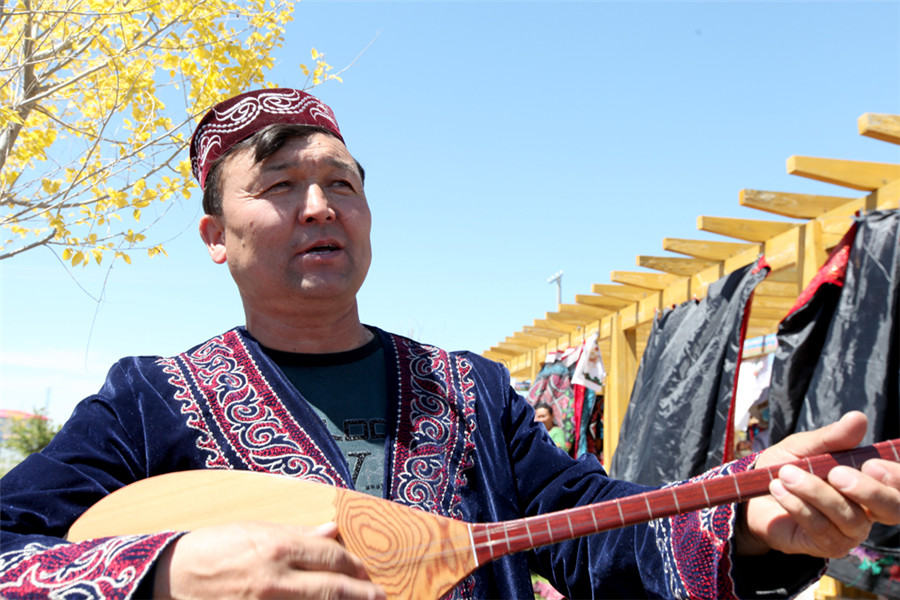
x=262 y=560
x=808 y=515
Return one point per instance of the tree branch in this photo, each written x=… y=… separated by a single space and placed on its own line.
x=41 y=242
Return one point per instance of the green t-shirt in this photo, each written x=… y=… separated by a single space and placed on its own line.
x=348 y=391
x=558 y=436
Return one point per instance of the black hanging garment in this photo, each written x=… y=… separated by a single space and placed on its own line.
x=678 y=422
x=839 y=350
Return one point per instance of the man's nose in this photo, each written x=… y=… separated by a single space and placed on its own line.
x=316 y=206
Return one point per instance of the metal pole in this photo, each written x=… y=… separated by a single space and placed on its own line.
x=558 y=279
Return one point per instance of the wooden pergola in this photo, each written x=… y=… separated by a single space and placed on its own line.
x=622 y=311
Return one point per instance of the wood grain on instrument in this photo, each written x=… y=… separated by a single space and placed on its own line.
x=412 y=554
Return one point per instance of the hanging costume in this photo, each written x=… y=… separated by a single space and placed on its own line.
x=683 y=395
x=571 y=383
x=839 y=350
x=459 y=443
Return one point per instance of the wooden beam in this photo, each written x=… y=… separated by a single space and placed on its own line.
x=705 y=278
x=529 y=339
x=503 y=352
x=648 y=307
x=528 y=342
x=784 y=275
x=854 y=174
x=751 y=230
x=798 y=206
x=584 y=310
x=513 y=348
x=783 y=303
x=544 y=332
x=776 y=288
x=782 y=251
x=761 y=327
x=558 y=326
x=768 y=313
x=885 y=198
x=814 y=252
x=684 y=267
x=704 y=249
x=625 y=292
x=602 y=301
x=880 y=127
x=650 y=281
x=574 y=319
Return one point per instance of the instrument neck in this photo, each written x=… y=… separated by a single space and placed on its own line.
x=493 y=540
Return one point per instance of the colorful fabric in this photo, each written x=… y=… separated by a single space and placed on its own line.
x=570 y=382
x=589 y=370
x=237 y=118
x=553 y=386
x=461 y=443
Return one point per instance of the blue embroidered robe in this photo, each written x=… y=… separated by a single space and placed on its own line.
x=460 y=443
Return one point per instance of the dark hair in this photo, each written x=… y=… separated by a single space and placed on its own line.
x=264 y=143
x=540 y=405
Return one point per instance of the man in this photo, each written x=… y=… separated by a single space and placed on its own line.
x=445 y=433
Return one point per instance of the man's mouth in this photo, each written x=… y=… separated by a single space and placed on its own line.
x=322 y=249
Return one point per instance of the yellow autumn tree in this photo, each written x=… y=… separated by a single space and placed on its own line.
x=97 y=102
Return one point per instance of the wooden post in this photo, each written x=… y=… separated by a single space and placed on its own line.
x=619 y=383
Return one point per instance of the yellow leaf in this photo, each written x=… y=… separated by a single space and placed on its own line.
x=120 y=48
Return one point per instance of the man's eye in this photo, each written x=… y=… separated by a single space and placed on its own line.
x=280 y=185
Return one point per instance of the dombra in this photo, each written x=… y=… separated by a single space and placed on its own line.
x=412 y=554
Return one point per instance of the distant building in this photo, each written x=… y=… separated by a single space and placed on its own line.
x=8 y=417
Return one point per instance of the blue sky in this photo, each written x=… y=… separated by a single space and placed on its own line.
x=503 y=142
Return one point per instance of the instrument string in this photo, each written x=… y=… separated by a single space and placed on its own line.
x=513 y=532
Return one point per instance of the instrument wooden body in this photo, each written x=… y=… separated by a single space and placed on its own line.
x=412 y=554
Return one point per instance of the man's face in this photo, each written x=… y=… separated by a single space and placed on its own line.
x=294 y=227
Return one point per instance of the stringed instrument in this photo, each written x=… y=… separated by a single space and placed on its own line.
x=412 y=554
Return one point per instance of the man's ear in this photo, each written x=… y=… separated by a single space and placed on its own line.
x=212 y=231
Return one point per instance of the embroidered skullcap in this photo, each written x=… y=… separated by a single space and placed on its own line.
x=237 y=118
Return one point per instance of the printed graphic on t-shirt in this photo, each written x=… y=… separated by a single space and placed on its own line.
x=362 y=443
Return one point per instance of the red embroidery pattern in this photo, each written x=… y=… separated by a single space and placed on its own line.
x=700 y=539
x=107 y=568
x=435 y=423
x=206 y=443
x=228 y=398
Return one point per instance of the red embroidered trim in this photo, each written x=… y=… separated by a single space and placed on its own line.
x=221 y=379
x=832 y=272
x=699 y=541
x=107 y=568
x=435 y=423
x=205 y=442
